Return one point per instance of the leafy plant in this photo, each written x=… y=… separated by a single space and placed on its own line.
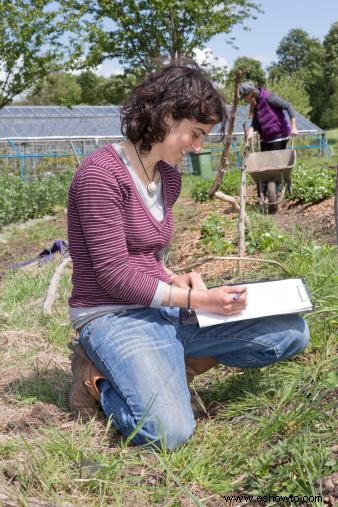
x=264 y=242
x=212 y=235
x=230 y=185
x=311 y=184
x=20 y=201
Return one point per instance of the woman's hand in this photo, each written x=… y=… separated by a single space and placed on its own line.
x=188 y=280
x=250 y=134
x=294 y=130
x=226 y=300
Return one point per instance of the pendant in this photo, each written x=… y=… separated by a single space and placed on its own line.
x=151 y=187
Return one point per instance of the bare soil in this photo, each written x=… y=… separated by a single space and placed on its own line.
x=316 y=221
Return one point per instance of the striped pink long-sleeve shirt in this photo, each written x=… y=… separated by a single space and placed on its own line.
x=114 y=240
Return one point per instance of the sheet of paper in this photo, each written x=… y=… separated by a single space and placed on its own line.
x=266 y=298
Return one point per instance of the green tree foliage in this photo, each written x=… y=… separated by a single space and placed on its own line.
x=297 y=51
x=65 y=89
x=140 y=31
x=330 y=45
x=119 y=86
x=292 y=89
x=59 y=88
x=250 y=70
x=92 y=88
x=30 y=44
x=301 y=57
x=216 y=71
x=99 y=90
x=329 y=117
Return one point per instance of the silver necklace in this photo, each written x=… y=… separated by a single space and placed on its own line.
x=151 y=187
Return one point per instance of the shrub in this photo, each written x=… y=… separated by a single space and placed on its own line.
x=311 y=184
x=230 y=185
x=20 y=201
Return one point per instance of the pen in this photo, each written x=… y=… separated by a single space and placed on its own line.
x=236 y=297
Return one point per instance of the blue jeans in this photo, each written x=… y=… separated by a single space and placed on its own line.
x=141 y=353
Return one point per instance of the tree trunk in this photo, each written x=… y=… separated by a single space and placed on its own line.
x=227 y=147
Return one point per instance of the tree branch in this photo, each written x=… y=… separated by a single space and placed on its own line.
x=53 y=287
x=226 y=152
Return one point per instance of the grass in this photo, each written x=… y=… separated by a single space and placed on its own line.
x=272 y=432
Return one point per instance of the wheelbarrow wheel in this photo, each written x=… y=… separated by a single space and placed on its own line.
x=271 y=193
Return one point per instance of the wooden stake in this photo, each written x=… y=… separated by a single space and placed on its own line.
x=242 y=215
x=225 y=156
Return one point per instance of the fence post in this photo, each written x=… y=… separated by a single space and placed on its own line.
x=74 y=151
x=21 y=158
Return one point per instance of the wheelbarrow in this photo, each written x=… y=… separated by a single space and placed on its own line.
x=271 y=171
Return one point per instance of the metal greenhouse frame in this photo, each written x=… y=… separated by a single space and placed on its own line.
x=46 y=139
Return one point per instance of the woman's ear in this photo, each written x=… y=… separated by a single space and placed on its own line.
x=169 y=120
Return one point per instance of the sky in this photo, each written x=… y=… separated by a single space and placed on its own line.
x=261 y=42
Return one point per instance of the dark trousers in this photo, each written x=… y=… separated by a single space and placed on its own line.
x=276 y=145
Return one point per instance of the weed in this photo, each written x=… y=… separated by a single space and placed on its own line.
x=230 y=185
x=312 y=183
x=212 y=235
x=20 y=201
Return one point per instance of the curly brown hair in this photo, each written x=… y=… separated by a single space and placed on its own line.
x=183 y=91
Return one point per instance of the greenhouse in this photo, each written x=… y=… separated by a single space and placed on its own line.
x=30 y=135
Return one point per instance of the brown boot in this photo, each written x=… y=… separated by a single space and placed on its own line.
x=193 y=367
x=83 y=395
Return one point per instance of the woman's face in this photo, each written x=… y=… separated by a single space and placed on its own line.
x=185 y=136
x=250 y=99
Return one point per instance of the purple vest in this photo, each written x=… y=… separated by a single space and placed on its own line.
x=272 y=123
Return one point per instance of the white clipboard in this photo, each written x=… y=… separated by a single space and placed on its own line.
x=271 y=297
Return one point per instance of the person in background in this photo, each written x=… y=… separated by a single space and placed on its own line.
x=268 y=118
x=135 y=353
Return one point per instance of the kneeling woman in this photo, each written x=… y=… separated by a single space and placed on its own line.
x=125 y=302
